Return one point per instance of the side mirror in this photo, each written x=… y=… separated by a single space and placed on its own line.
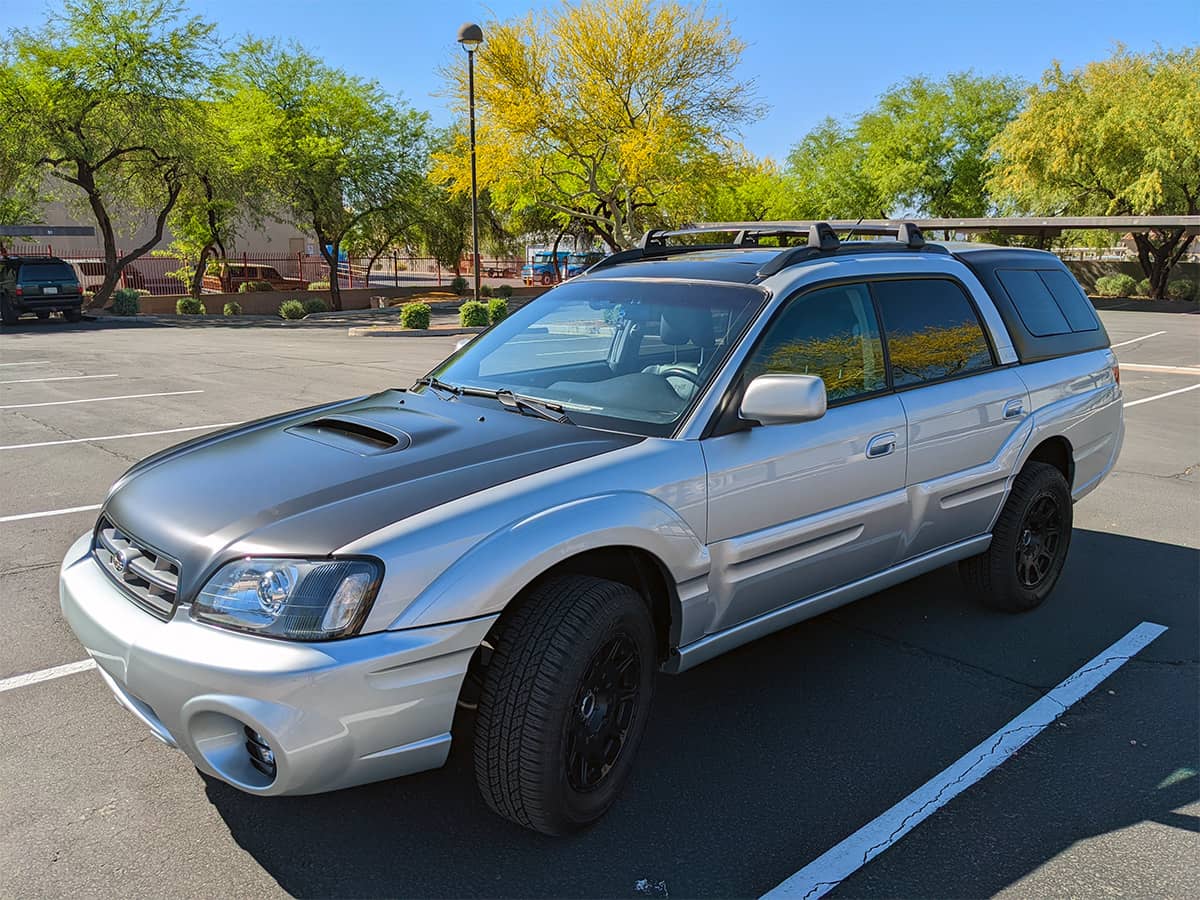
x=779 y=399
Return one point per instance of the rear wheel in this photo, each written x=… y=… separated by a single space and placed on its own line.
x=564 y=703
x=8 y=315
x=43 y=314
x=1029 y=543
x=73 y=315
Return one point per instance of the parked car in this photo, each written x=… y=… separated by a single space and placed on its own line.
x=233 y=275
x=91 y=272
x=685 y=449
x=40 y=285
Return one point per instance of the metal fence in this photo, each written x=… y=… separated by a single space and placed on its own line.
x=168 y=275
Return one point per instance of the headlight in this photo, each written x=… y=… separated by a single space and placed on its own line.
x=306 y=600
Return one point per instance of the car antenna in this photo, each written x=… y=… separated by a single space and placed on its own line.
x=851 y=231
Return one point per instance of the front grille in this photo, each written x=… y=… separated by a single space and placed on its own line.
x=150 y=579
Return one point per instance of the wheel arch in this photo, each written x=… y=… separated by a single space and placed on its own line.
x=1056 y=451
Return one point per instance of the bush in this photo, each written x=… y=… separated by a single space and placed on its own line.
x=485 y=290
x=189 y=306
x=318 y=285
x=505 y=290
x=1143 y=288
x=458 y=284
x=126 y=302
x=250 y=287
x=1116 y=286
x=497 y=309
x=415 y=315
x=315 y=305
x=291 y=309
x=473 y=314
x=232 y=308
x=1181 y=290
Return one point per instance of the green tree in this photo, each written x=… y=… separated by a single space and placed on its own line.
x=333 y=148
x=1120 y=136
x=608 y=112
x=109 y=90
x=825 y=177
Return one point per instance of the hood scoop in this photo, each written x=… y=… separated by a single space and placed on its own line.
x=353 y=434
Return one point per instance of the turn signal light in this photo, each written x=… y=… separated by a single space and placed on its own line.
x=1117 y=373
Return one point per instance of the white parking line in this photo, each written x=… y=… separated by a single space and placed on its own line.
x=31 y=362
x=837 y=864
x=1146 y=367
x=98 y=399
x=1160 y=396
x=1135 y=340
x=117 y=437
x=19 y=681
x=58 y=378
x=49 y=512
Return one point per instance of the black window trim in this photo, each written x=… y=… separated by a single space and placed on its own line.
x=724 y=419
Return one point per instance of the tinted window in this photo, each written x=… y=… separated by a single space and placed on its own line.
x=46 y=272
x=932 y=330
x=830 y=332
x=1070 y=299
x=1034 y=302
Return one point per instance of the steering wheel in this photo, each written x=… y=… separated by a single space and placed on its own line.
x=680 y=372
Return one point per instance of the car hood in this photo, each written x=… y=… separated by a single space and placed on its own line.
x=308 y=483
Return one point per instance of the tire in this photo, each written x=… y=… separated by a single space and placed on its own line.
x=8 y=315
x=1029 y=543
x=42 y=314
x=546 y=279
x=73 y=315
x=552 y=748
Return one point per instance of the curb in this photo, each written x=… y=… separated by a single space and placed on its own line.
x=389 y=331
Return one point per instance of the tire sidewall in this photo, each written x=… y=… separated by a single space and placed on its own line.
x=1049 y=483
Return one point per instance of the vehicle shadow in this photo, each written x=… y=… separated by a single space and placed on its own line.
x=759 y=761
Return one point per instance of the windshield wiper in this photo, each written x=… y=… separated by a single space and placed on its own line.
x=436 y=384
x=521 y=404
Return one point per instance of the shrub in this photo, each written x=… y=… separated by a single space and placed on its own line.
x=415 y=315
x=458 y=284
x=497 y=309
x=315 y=305
x=1116 y=286
x=291 y=309
x=189 y=306
x=473 y=314
x=505 y=290
x=1143 y=288
x=485 y=290
x=318 y=285
x=126 y=302
x=232 y=308
x=1181 y=290
x=250 y=287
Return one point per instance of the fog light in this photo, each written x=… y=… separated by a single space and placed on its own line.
x=262 y=757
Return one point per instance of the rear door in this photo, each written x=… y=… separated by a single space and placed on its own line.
x=799 y=508
x=961 y=408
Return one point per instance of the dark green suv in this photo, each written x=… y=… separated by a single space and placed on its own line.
x=39 y=285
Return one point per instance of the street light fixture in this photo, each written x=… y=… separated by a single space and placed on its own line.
x=470 y=36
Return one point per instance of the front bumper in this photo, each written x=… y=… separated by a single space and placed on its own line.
x=335 y=714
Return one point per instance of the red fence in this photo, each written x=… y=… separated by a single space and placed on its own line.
x=165 y=275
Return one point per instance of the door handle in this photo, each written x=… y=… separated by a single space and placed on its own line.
x=1013 y=408
x=881 y=445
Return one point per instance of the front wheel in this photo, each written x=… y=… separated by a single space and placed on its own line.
x=564 y=703
x=1029 y=543
x=8 y=315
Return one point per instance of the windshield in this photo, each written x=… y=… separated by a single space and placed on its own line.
x=626 y=355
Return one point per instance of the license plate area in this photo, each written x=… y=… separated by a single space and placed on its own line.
x=49 y=290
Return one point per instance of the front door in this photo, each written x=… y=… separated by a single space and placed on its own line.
x=797 y=509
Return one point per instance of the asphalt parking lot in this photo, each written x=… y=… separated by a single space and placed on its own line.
x=754 y=765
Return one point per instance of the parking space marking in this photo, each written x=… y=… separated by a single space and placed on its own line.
x=19 y=681
x=1160 y=396
x=1135 y=340
x=838 y=863
x=98 y=399
x=32 y=362
x=117 y=437
x=58 y=378
x=49 y=512
x=1146 y=367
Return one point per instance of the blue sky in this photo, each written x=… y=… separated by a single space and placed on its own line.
x=810 y=59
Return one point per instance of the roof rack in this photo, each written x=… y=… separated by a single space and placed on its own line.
x=822 y=240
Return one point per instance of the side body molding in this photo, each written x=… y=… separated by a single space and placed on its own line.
x=484 y=579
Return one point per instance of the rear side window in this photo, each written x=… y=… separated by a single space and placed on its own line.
x=46 y=272
x=932 y=330
x=1048 y=301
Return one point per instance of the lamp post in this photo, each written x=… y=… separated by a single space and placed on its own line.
x=471 y=36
